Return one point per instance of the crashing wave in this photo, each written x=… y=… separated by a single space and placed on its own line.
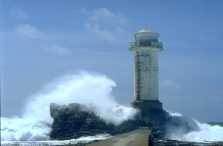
x=203 y=133
x=84 y=88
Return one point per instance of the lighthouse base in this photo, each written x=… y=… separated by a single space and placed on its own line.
x=151 y=112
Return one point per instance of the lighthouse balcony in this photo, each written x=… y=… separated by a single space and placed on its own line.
x=145 y=45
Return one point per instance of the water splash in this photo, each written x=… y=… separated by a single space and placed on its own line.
x=84 y=88
x=205 y=132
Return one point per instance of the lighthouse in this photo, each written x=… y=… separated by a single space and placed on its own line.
x=146 y=48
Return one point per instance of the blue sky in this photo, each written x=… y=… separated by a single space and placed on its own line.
x=42 y=40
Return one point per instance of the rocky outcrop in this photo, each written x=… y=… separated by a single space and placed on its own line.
x=75 y=120
x=160 y=121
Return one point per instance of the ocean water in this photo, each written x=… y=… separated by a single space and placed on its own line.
x=91 y=89
x=81 y=140
x=206 y=132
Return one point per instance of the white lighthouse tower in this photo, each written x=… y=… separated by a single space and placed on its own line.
x=146 y=48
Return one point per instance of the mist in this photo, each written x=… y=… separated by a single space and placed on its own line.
x=94 y=91
x=204 y=132
x=90 y=89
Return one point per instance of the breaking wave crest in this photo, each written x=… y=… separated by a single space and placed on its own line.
x=92 y=90
x=84 y=88
x=205 y=132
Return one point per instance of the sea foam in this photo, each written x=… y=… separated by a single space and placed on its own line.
x=205 y=132
x=84 y=88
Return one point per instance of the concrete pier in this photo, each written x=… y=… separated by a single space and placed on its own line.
x=139 y=137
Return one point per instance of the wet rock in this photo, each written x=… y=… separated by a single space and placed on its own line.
x=75 y=120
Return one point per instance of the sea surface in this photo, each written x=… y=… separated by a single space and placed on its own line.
x=80 y=141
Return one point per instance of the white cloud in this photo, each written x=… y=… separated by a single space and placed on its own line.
x=106 y=25
x=30 y=31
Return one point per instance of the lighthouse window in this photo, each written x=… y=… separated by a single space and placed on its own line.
x=145 y=43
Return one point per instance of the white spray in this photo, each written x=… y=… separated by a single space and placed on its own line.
x=206 y=132
x=87 y=89
x=83 y=88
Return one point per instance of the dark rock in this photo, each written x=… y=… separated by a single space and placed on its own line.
x=75 y=120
